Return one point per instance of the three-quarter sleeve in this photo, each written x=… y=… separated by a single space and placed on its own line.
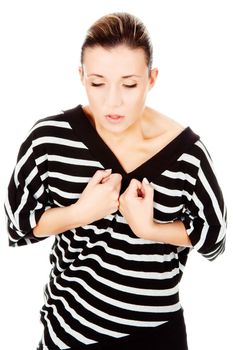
x=27 y=197
x=205 y=215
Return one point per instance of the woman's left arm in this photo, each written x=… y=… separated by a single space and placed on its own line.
x=171 y=233
x=205 y=215
x=203 y=220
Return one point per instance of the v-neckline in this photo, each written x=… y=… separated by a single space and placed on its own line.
x=155 y=164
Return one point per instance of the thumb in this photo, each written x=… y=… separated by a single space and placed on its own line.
x=134 y=188
x=147 y=188
x=99 y=176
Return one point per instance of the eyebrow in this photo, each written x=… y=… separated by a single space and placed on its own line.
x=124 y=77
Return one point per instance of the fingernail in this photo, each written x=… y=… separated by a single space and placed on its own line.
x=146 y=181
x=108 y=170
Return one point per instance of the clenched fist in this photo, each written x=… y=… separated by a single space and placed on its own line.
x=100 y=197
x=136 y=205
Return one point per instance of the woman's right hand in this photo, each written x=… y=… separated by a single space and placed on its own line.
x=100 y=197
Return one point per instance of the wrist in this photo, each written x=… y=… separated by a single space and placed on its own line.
x=151 y=231
x=75 y=215
x=170 y=233
x=148 y=232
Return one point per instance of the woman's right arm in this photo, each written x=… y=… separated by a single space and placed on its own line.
x=103 y=188
x=30 y=211
x=56 y=220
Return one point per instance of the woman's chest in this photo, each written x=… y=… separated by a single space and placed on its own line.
x=135 y=154
x=67 y=181
x=131 y=159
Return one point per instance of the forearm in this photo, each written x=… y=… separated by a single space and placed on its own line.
x=171 y=233
x=57 y=220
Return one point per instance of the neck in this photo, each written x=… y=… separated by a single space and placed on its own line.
x=131 y=135
x=135 y=133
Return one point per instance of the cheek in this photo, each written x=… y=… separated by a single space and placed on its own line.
x=95 y=100
x=95 y=94
x=136 y=98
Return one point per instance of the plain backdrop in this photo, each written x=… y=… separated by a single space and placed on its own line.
x=40 y=48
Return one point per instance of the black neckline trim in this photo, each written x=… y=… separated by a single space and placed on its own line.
x=167 y=155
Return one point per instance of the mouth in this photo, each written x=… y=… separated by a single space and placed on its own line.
x=114 y=118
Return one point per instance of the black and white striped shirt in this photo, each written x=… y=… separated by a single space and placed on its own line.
x=105 y=282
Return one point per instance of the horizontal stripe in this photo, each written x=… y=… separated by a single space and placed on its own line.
x=123 y=255
x=118 y=235
x=123 y=288
x=63 y=193
x=105 y=315
x=131 y=273
x=179 y=175
x=170 y=192
x=67 y=328
x=57 y=141
x=83 y=321
x=51 y=123
x=120 y=304
x=73 y=161
x=68 y=178
x=167 y=209
x=189 y=159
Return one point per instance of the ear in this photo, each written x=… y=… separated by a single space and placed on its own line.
x=153 y=76
x=80 y=69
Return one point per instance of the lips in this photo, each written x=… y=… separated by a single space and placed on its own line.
x=114 y=118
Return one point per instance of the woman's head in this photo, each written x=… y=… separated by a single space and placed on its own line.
x=116 y=29
x=116 y=61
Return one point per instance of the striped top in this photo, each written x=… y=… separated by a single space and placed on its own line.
x=106 y=283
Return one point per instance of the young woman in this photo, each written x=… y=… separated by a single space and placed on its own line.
x=126 y=192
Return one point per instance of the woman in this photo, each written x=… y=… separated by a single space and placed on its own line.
x=126 y=192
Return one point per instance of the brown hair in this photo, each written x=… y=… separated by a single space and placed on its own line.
x=119 y=28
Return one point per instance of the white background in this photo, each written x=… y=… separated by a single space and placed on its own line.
x=40 y=48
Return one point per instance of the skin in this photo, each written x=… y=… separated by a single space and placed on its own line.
x=121 y=82
x=115 y=96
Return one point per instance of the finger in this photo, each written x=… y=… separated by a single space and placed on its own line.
x=105 y=179
x=99 y=176
x=115 y=180
x=147 y=188
x=107 y=176
x=134 y=188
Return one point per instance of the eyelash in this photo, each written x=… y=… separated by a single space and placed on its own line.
x=127 y=86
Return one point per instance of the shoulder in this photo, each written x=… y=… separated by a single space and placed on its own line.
x=191 y=144
x=50 y=123
x=57 y=125
x=159 y=124
x=53 y=129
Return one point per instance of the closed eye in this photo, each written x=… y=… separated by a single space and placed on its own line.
x=125 y=85
x=96 y=85
x=130 y=86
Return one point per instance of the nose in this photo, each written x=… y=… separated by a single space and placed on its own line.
x=113 y=97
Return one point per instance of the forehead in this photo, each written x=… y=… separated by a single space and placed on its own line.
x=121 y=59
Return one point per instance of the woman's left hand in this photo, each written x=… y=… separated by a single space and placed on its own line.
x=136 y=205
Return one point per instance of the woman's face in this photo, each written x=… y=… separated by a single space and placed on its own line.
x=116 y=82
